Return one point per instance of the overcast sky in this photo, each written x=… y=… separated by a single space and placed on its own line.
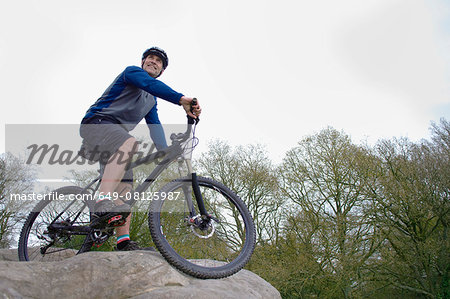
x=269 y=72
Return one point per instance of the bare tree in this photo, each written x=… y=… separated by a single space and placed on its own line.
x=249 y=172
x=414 y=212
x=326 y=177
x=16 y=179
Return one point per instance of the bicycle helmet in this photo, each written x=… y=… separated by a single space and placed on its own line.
x=158 y=52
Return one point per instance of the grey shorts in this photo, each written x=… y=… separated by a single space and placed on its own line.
x=101 y=140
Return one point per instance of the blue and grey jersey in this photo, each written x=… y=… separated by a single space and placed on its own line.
x=131 y=98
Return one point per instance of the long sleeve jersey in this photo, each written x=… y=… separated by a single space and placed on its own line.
x=132 y=97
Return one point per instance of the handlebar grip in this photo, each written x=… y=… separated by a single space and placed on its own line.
x=196 y=120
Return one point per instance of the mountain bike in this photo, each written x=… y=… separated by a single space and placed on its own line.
x=199 y=226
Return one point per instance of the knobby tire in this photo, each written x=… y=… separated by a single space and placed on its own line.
x=223 y=253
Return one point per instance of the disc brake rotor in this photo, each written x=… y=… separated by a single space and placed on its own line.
x=210 y=226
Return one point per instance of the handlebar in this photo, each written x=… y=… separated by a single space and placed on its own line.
x=176 y=139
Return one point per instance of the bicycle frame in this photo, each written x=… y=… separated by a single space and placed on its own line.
x=166 y=157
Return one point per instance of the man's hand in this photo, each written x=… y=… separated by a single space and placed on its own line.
x=186 y=103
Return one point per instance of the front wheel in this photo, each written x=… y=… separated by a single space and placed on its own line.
x=211 y=247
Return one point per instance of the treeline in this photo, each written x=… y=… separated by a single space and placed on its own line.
x=340 y=220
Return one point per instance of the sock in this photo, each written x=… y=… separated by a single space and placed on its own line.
x=123 y=241
x=102 y=197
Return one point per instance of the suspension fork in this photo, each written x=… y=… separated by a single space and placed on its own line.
x=196 y=189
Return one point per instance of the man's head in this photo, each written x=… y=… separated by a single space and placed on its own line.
x=154 y=61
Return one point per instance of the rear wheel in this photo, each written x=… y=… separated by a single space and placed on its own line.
x=215 y=247
x=54 y=229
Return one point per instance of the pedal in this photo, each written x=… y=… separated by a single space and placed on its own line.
x=100 y=237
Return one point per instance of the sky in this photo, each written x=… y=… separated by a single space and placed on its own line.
x=268 y=72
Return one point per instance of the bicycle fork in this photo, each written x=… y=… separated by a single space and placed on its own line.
x=198 y=197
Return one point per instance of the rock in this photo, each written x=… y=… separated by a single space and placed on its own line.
x=9 y=255
x=138 y=274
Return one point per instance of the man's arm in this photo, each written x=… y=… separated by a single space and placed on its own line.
x=156 y=129
x=139 y=78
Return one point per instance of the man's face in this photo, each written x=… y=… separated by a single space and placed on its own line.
x=153 y=65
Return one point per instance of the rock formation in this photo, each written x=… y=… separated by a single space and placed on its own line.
x=138 y=274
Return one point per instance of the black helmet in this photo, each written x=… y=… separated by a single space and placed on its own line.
x=158 y=52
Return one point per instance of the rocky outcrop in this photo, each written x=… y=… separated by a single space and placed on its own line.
x=138 y=274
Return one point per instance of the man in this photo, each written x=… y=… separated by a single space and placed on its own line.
x=105 y=132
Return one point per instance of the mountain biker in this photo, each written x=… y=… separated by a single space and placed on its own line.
x=105 y=131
